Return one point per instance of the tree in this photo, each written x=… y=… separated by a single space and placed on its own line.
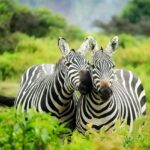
x=135 y=19
x=136 y=10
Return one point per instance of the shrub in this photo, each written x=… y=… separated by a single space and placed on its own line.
x=8 y=43
x=33 y=130
x=38 y=23
x=30 y=131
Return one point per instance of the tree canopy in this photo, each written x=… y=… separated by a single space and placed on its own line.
x=134 y=19
x=136 y=10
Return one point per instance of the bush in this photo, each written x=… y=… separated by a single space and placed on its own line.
x=29 y=51
x=38 y=23
x=30 y=131
x=35 y=23
x=8 y=43
x=41 y=131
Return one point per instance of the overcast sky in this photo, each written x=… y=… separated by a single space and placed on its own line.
x=82 y=12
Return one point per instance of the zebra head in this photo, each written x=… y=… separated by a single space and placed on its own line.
x=102 y=72
x=76 y=67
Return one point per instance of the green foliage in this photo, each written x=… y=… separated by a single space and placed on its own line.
x=8 y=43
x=33 y=130
x=140 y=135
x=136 y=10
x=6 y=9
x=41 y=22
x=135 y=19
x=30 y=131
x=29 y=51
x=74 y=33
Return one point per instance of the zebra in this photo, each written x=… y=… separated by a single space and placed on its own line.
x=50 y=87
x=116 y=94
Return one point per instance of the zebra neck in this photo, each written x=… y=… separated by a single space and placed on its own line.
x=95 y=98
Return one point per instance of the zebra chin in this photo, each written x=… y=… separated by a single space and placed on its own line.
x=83 y=89
x=105 y=93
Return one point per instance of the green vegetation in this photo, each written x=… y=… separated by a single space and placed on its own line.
x=30 y=131
x=26 y=43
x=134 y=19
x=32 y=22
x=40 y=131
x=136 y=10
x=133 y=53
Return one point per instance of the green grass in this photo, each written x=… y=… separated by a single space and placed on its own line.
x=9 y=88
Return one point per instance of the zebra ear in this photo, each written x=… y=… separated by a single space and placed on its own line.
x=112 y=45
x=63 y=46
x=89 y=44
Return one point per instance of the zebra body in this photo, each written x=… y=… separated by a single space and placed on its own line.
x=50 y=88
x=127 y=103
x=116 y=94
x=39 y=91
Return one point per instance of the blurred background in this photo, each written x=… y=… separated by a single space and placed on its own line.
x=29 y=30
x=81 y=12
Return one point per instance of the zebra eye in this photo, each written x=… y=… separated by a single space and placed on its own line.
x=92 y=66
x=67 y=64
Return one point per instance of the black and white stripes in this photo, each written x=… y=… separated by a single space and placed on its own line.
x=116 y=94
x=107 y=94
x=50 y=88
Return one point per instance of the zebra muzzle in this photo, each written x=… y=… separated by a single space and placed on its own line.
x=85 y=82
x=105 y=93
x=105 y=89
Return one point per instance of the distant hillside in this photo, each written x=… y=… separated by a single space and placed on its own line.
x=82 y=12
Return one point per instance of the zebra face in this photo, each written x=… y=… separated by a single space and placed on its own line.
x=76 y=67
x=77 y=71
x=102 y=70
x=102 y=74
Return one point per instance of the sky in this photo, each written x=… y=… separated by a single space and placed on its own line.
x=82 y=12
